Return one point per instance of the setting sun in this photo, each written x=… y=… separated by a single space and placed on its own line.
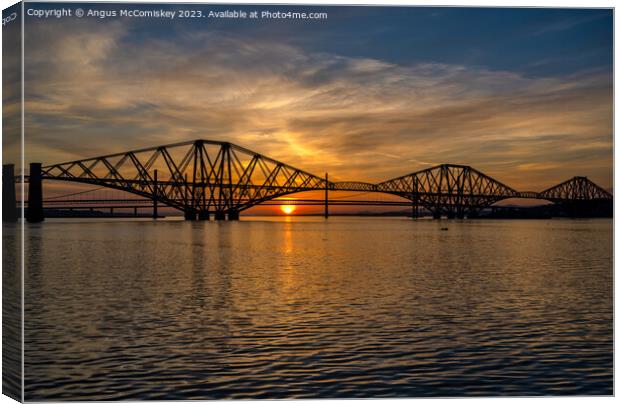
x=287 y=209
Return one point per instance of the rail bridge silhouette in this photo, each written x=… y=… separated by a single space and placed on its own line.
x=205 y=179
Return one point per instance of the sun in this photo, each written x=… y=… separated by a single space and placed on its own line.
x=288 y=209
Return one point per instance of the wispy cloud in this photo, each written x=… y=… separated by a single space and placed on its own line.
x=359 y=118
x=566 y=24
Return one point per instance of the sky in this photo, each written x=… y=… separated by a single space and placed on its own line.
x=370 y=93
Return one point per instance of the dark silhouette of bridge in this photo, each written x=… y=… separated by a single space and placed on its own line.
x=203 y=178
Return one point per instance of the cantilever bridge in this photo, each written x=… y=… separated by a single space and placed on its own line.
x=204 y=178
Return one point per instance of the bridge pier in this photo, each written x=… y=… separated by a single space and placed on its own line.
x=190 y=215
x=436 y=215
x=233 y=215
x=155 y=196
x=219 y=215
x=9 y=202
x=415 y=199
x=202 y=215
x=326 y=214
x=35 y=194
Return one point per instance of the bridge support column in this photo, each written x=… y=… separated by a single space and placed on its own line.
x=219 y=215
x=326 y=214
x=202 y=215
x=233 y=215
x=436 y=215
x=155 y=196
x=9 y=203
x=35 y=194
x=414 y=198
x=190 y=215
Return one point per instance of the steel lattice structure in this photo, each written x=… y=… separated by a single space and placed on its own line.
x=575 y=189
x=197 y=177
x=449 y=189
x=203 y=177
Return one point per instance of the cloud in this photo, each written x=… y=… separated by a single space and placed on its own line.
x=567 y=24
x=94 y=89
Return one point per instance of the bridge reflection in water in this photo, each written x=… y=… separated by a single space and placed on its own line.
x=207 y=179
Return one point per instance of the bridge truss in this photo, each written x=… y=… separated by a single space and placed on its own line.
x=206 y=177
x=449 y=189
x=199 y=177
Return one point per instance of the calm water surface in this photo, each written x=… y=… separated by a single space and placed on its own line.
x=349 y=307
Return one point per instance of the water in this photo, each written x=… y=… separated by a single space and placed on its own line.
x=349 y=307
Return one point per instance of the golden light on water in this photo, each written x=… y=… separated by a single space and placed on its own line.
x=287 y=209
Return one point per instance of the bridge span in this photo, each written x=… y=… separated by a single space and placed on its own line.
x=205 y=179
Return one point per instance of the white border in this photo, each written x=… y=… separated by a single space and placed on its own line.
x=478 y=3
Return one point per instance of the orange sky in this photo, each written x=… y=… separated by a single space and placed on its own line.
x=100 y=87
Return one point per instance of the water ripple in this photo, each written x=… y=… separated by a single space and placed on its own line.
x=356 y=307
